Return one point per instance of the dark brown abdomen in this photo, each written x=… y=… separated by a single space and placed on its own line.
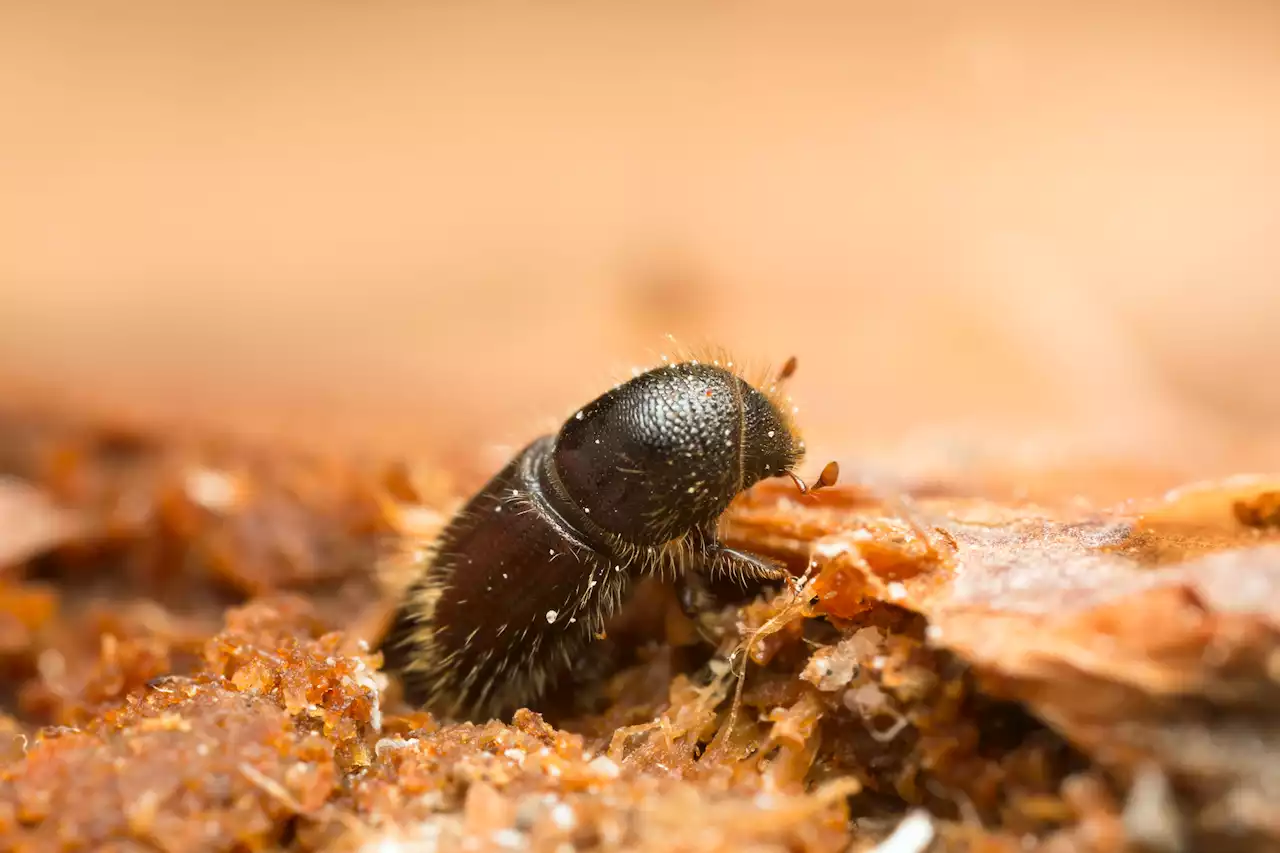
x=519 y=593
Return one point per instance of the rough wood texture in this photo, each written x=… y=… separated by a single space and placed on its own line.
x=185 y=665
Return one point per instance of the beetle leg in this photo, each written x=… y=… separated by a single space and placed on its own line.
x=744 y=567
x=723 y=564
x=722 y=575
x=725 y=576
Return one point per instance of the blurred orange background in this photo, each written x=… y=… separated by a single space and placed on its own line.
x=1053 y=225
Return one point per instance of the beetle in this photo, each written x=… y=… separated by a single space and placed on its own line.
x=522 y=580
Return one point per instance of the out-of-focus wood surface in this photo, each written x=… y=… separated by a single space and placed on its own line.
x=446 y=225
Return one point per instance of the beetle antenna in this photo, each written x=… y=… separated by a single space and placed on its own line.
x=828 y=478
x=787 y=370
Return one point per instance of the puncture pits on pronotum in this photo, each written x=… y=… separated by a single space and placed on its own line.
x=522 y=580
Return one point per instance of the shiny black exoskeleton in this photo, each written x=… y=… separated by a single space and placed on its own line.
x=525 y=576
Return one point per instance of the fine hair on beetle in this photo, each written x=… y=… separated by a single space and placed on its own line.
x=512 y=595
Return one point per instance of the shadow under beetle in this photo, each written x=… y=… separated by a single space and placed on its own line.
x=523 y=579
